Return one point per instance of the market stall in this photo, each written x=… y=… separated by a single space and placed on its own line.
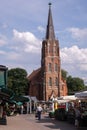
x=82 y=96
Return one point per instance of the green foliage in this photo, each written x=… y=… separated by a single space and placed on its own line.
x=17 y=81
x=64 y=74
x=74 y=84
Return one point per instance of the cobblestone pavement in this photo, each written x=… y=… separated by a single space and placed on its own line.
x=29 y=122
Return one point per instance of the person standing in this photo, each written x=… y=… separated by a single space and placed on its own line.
x=39 y=111
x=77 y=116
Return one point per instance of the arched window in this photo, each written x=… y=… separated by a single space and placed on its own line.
x=49 y=67
x=54 y=50
x=56 y=81
x=48 y=48
x=56 y=67
x=50 y=81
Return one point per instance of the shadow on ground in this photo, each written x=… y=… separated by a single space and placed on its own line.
x=59 y=125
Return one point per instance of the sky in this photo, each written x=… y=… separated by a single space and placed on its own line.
x=23 y=28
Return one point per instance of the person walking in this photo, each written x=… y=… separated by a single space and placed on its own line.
x=39 y=111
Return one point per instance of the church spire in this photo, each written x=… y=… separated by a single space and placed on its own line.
x=50 y=28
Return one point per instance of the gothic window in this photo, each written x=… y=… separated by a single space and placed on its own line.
x=50 y=67
x=56 y=67
x=56 y=81
x=50 y=81
x=54 y=49
x=48 y=48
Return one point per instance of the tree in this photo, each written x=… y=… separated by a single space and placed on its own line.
x=17 y=81
x=64 y=74
x=74 y=84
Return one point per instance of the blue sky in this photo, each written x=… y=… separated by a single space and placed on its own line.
x=23 y=27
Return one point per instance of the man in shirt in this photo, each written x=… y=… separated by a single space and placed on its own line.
x=39 y=110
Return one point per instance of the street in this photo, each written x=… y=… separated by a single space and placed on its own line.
x=29 y=122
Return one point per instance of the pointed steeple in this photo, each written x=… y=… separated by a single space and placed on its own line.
x=50 y=28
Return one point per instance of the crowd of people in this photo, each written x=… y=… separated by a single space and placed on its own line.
x=79 y=114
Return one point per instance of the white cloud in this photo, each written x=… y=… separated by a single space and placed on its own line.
x=28 y=42
x=74 y=54
x=74 y=60
x=79 y=34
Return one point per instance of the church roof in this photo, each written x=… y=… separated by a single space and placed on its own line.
x=34 y=74
x=50 y=28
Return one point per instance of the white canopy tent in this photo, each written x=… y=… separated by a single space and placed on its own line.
x=81 y=94
x=68 y=98
x=65 y=99
x=60 y=101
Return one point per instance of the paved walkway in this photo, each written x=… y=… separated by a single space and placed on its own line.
x=29 y=122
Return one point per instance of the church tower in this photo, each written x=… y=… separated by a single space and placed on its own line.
x=46 y=82
x=50 y=62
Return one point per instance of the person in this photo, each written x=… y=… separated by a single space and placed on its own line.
x=39 y=110
x=77 y=116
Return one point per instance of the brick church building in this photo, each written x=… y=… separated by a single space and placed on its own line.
x=46 y=82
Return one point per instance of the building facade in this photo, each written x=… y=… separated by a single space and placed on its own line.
x=46 y=82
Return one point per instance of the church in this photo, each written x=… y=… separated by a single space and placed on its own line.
x=46 y=82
